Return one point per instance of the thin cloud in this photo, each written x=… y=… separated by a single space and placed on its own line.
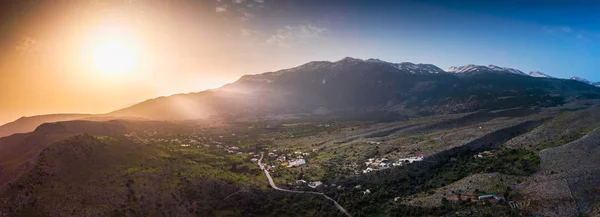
x=27 y=45
x=248 y=32
x=557 y=29
x=220 y=9
x=290 y=35
x=566 y=29
x=246 y=16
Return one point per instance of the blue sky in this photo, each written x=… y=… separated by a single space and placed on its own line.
x=560 y=38
x=46 y=48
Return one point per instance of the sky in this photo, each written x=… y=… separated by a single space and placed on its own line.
x=57 y=57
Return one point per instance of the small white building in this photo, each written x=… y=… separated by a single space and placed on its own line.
x=315 y=184
x=297 y=162
x=411 y=159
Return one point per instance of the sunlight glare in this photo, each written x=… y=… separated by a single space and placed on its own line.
x=113 y=54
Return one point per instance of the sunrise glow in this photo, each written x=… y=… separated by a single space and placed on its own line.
x=114 y=57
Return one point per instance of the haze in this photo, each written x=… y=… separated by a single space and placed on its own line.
x=99 y=56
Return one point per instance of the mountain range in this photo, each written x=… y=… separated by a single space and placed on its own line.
x=353 y=87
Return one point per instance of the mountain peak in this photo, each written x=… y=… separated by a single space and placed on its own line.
x=538 y=74
x=479 y=68
x=350 y=59
x=581 y=80
x=373 y=60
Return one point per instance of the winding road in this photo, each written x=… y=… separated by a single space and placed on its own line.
x=337 y=205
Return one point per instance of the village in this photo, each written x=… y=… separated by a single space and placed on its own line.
x=374 y=164
x=283 y=159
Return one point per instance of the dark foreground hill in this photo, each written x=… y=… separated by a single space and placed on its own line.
x=28 y=124
x=84 y=168
x=359 y=86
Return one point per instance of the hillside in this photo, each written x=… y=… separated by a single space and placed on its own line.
x=84 y=168
x=479 y=129
x=208 y=167
x=18 y=152
x=357 y=86
x=28 y=124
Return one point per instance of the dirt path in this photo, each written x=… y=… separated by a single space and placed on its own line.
x=337 y=205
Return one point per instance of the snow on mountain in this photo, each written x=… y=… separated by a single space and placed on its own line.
x=405 y=67
x=418 y=68
x=409 y=67
x=539 y=75
x=581 y=80
x=597 y=84
x=479 y=68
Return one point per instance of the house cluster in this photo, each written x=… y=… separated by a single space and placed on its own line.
x=294 y=159
x=484 y=154
x=384 y=163
x=233 y=150
x=253 y=157
x=411 y=159
x=481 y=200
x=152 y=137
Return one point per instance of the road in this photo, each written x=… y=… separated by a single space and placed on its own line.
x=337 y=205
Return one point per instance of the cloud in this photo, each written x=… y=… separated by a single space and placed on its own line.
x=311 y=31
x=290 y=35
x=260 y=1
x=246 y=16
x=248 y=32
x=27 y=45
x=221 y=9
x=558 y=29
x=566 y=29
x=238 y=1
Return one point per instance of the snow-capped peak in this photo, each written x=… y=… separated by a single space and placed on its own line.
x=539 y=74
x=418 y=68
x=581 y=80
x=411 y=68
x=480 y=68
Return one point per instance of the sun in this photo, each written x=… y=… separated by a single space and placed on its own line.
x=114 y=56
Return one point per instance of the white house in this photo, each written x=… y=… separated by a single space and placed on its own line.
x=297 y=162
x=411 y=159
x=315 y=184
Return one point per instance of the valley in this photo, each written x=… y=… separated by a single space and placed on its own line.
x=211 y=167
x=299 y=108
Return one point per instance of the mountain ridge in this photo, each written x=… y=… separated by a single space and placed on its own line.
x=330 y=86
x=352 y=84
